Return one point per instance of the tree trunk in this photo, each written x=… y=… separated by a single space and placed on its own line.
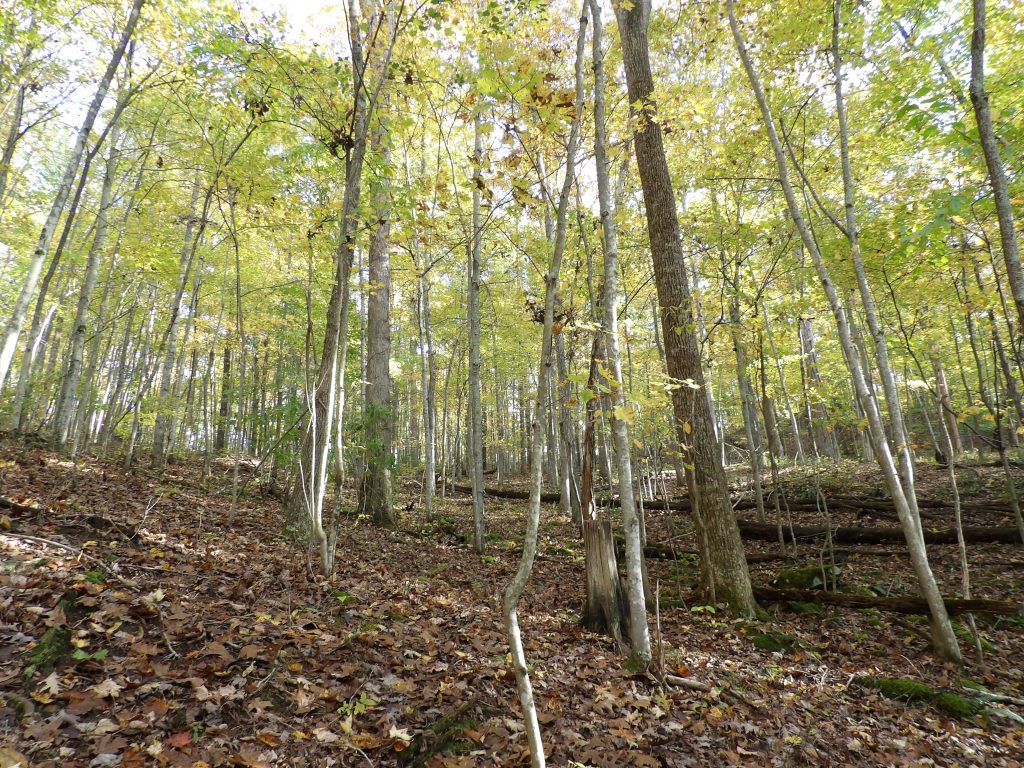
x=946 y=411
x=725 y=565
x=996 y=174
x=428 y=383
x=12 y=330
x=311 y=480
x=67 y=401
x=618 y=411
x=475 y=420
x=375 y=499
x=517 y=585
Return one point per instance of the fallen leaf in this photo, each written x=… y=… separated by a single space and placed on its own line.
x=108 y=689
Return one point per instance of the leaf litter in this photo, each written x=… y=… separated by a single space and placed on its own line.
x=176 y=640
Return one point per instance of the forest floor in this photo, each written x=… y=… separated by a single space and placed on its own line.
x=138 y=626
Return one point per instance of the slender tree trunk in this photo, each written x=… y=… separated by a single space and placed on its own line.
x=475 y=428
x=428 y=383
x=67 y=401
x=517 y=585
x=903 y=449
x=188 y=249
x=790 y=410
x=311 y=480
x=996 y=174
x=11 y=142
x=21 y=406
x=618 y=413
x=750 y=422
x=946 y=411
x=12 y=330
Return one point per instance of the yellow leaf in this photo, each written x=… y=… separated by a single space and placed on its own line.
x=623 y=413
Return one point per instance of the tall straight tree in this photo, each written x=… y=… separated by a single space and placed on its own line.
x=996 y=174
x=639 y=633
x=311 y=480
x=67 y=400
x=375 y=489
x=12 y=330
x=725 y=566
x=475 y=422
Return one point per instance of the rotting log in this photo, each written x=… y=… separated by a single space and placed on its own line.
x=903 y=604
x=752 y=531
x=666 y=552
x=874 y=535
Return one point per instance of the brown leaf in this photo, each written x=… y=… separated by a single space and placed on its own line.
x=180 y=740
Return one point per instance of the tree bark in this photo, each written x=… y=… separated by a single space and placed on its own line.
x=725 y=567
x=375 y=499
x=475 y=420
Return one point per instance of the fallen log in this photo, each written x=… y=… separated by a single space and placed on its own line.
x=873 y=535
x=875 y=507
x=663 y=552
x=546 y=497
x=21 y=509
x=903 y=604
x=656 y=551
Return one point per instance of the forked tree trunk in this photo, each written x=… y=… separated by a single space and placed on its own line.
x=515 y=588
x=942 y=632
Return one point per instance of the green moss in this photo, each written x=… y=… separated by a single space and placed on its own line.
x=809 y=609
x=956 y=706
x=963 y=633
x=914 y=692
x=636 y=664
x=52 y=648
x=776 y=642
x=898 y=688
